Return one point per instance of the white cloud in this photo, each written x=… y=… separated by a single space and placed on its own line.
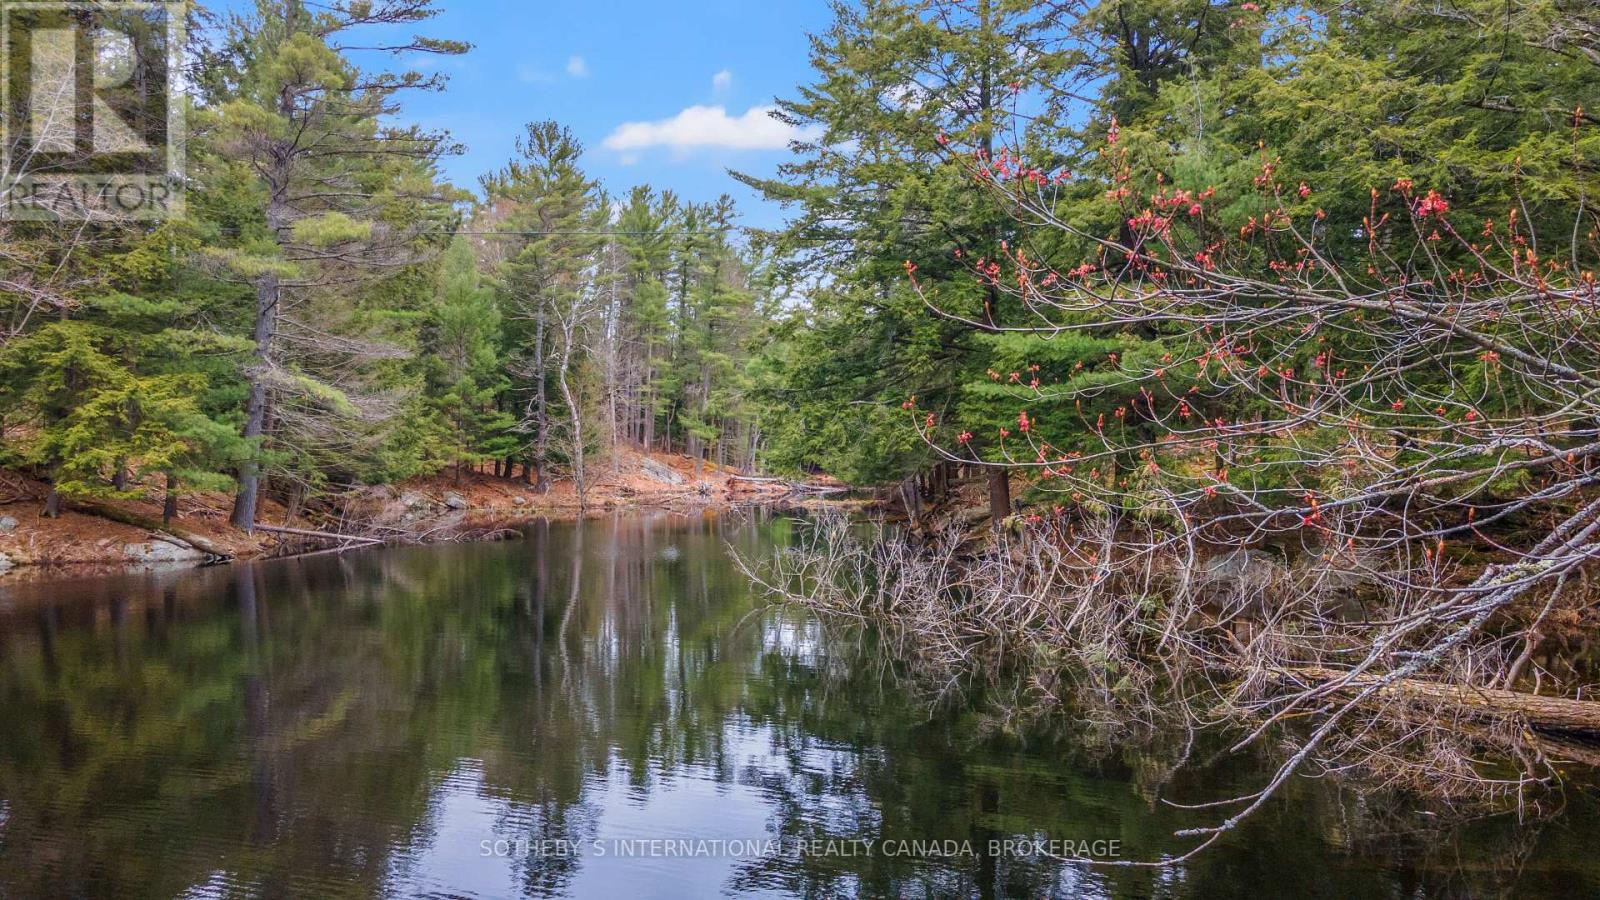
x=576 y=67
x=722 y=81
x=708 y=126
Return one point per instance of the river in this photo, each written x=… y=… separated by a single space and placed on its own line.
x=610 y=710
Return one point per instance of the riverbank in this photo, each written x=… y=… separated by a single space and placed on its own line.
x=1310 y=656
x=446 y=507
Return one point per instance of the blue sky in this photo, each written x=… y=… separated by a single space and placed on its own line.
x=664 y=93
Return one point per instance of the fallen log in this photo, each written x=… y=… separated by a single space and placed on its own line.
x=802 y=488
x=1552 y=713
x=1568 y=748
x=149 y=523
x=325 y=535
x=794 y=487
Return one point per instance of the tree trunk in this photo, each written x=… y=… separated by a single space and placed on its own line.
x=52 y=504
x=297 y=496
x=1555 y=713
x=569 y=346
x=911 y=498
x=577 y=438
x=268 y=296
x=255 y=407
x=647 y=417
x=611 y=399
x=169 y=507
x=705 y=402
x=541 y=407
x=999 y=495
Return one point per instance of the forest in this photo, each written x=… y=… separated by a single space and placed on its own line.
x=1266 y=333
x=329 y=312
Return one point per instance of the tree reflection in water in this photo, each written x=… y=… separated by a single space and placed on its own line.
x=363 y=724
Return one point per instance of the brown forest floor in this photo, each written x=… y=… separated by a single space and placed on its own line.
x=412 y=510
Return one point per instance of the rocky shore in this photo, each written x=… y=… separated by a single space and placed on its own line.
x=451 y=506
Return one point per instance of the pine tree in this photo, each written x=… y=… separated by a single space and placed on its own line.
x=643 y=233
x=896 y=84
x=551 y=216
x=461 y=343
x=103 y=424
x=343 y=199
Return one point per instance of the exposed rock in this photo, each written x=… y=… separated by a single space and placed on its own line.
x=455 y=500
x=8 y=524
x=5 y=562
x=413 y=500
x=159 y=551
x=519 y=501
x=1241 y=565
x=658 y=472
x=1349 y=571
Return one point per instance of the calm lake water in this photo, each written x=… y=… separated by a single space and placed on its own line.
x=607 y=710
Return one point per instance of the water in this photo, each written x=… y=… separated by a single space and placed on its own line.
x=567 y=714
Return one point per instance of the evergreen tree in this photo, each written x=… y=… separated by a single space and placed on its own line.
x=461 y=343
x=896 y=84
x=553 y=220
x=343 y=197
x=644 y=234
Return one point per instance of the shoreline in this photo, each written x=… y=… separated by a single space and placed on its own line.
x=33 y=573
x=104 y=536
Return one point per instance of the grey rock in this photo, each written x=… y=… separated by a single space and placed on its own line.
x=413 y=500
x=519 y=501
x=158 y=551
x=1240 y=565
x=5 y=562
x=1338 y=571
x=455 y=501
x=658 y=472
x=8 y=524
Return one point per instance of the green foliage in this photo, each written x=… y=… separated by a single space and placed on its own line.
x=582 y=320
x=465 y=373
x=878 y=188
x=1485 y=102
x=96 y=415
